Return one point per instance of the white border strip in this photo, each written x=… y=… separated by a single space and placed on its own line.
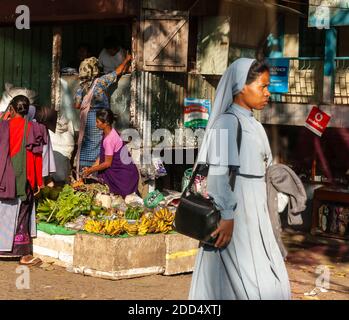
x=115 y=275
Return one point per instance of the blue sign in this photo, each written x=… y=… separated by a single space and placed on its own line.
x=278 y=75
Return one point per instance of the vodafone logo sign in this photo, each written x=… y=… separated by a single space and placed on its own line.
x=319 y=117
x=317 y=121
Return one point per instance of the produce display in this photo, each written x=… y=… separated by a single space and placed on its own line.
x=69 y=205
x=160 y=221
x=91 y=208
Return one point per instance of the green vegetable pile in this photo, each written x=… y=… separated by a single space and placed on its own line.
x=69 y=205
x=133 y=213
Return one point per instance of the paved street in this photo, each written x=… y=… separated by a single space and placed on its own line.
x=307 y=256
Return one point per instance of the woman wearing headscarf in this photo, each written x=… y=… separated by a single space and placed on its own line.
x=23 y=141
x=114 y=166
x=91 y=96
x=246 y=262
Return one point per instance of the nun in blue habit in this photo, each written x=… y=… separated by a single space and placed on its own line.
x=246 y=262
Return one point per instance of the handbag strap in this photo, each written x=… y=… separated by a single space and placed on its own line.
x=232 y=170
x=199 y=167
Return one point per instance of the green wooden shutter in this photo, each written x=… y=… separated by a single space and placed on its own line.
x=25 y=60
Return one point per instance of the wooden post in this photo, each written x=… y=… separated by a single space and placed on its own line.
x=133 y=104
x=329 y=65
x=56 y=66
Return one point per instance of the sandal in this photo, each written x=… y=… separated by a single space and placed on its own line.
x=34 y=261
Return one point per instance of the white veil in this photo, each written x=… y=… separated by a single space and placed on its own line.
x=231 y=83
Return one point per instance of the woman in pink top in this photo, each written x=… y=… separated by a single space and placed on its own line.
x=115 y=166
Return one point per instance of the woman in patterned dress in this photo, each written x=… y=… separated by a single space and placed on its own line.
x=90 y=97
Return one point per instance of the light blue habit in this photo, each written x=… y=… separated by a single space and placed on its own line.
x=251 y=266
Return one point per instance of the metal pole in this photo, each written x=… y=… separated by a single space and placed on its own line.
x=329 y=65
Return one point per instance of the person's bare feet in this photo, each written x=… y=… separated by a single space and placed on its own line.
x=29 y=260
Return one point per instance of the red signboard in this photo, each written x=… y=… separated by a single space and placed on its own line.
x=317 y=121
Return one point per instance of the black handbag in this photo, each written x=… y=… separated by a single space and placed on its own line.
x=196 y=216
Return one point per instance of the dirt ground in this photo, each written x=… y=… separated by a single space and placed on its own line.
x=305 y=258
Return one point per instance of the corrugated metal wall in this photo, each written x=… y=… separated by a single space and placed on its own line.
x=161 y=97
x=25 y=59
x=202 y=87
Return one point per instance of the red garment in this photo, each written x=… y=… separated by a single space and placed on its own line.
x=34 y=161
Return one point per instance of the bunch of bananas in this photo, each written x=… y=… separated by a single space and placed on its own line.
x=162 y=221
x=131 y=228
x=109 y=227
x=153 y=228
x=114 y=227
x=94 y=226
x=164 y=214
x=144 y=226
x=164 y=227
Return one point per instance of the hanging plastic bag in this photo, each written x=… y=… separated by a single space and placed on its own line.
x=186 y=178
x=153 y=199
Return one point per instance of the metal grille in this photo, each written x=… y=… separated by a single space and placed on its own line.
x=304 y=82
x=341 y=87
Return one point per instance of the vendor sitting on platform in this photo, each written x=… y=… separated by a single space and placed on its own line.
x=115 y=166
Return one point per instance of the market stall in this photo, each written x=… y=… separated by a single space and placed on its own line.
x=92 y=208
x=94 y=232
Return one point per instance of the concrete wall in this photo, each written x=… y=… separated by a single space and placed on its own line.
x=296 y=114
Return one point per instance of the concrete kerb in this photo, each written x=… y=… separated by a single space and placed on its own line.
x=119 y=258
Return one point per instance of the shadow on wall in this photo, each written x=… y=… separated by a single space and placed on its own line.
x=120 y=98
